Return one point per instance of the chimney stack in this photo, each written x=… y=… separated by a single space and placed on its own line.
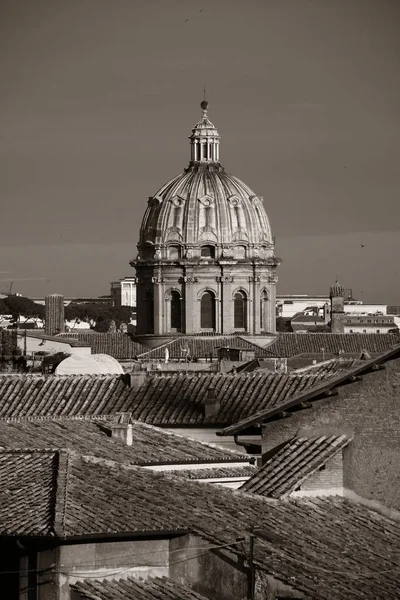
x=121 y=428
x=211 y=403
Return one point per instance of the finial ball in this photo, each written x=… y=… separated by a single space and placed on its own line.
x=204 y=105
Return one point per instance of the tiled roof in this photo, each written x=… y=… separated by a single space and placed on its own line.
x=216 y=472
x=326 y=386
x=158 y=588
x=328 y=548
x=28 y=486
x=203 y=346
x=330 y=366
x=292 y=344
x=150 y=445
x=169 y=400
x=292 y=464
x=118 y=345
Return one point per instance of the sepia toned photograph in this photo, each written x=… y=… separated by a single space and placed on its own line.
x=199 y=300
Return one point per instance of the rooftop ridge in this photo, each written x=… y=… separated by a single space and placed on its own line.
x=61 y=492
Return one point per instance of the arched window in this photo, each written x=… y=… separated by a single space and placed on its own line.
x=240 y=311
x=174 y=252
x=207 y=311
x=176 y=311
x=208 y=252
x=263 y=310
x=149 y=312
x=148 y=252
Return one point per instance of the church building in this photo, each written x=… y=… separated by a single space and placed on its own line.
x=205 y=260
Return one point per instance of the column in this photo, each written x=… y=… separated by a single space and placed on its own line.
x=255 y=291
x=158 y=287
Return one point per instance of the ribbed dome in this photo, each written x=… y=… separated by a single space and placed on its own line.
x=205 y=204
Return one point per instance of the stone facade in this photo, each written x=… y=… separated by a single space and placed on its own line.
x=205 y=260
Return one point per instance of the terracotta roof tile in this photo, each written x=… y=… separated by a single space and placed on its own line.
x=329 y=547
x=202 y=347
x=150 y=445
x=168 y=400
x=293 y=344
x=28 y=486
x=161 y=588
x=330 y=366
x=292 y=464
x=215 y=472
x=118 y=345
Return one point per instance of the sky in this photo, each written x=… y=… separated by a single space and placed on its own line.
x=98 y=100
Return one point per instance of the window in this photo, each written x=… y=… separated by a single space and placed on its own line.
x=148 y=252
x=378 y=331
x=240 y=311
x=263 y=310
x=174 y=252
x=208 y=252
x=149 y=312
x=176 y=311
x=207 y=311
x=351 y=331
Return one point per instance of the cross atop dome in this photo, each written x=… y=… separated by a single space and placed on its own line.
x=204 y=141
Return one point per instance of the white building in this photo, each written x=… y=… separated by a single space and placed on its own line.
x=123 y=292
x=288 y=305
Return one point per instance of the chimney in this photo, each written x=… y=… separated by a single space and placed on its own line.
x=121 y=428
x=137 y=379
x=211 y=403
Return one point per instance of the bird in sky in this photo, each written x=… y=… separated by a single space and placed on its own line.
x=362 y=245
x=186 y=20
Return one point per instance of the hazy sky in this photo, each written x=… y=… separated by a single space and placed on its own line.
x=97 y=102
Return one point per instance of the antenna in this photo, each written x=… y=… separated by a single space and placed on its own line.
x=204 y=92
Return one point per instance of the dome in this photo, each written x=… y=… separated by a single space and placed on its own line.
x=94 y=364
x=205 y=262
x=205 y=204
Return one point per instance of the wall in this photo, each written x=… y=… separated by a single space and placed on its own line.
x=213 y=574
x=370 y=410
x=140 y=558
x=327 y=481
x=368 y=328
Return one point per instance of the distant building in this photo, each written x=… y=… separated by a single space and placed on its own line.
x=123 y=292
x=371 y=323
x=287 y=305
x=78 y=300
